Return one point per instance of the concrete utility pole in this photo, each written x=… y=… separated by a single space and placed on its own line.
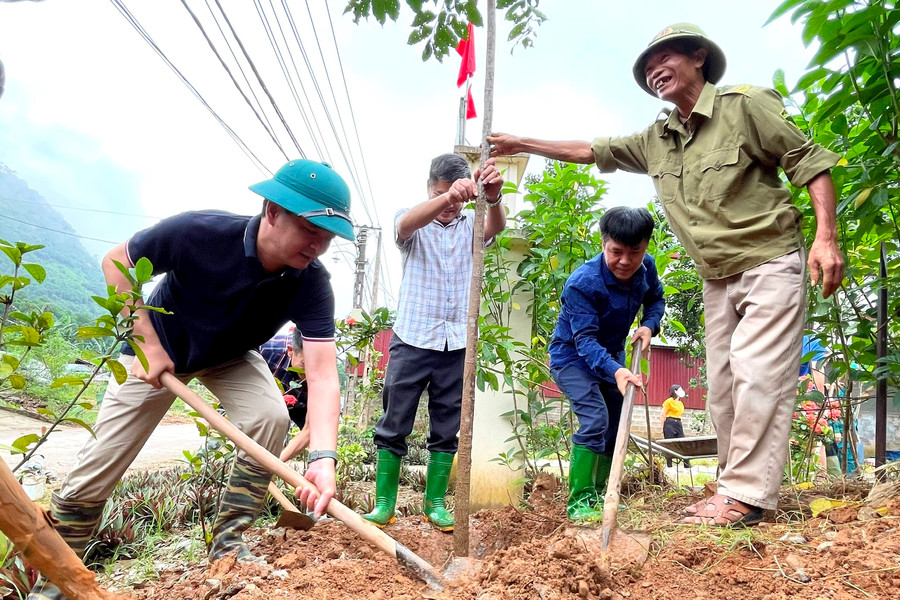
x=375 y=277
x=359 y=284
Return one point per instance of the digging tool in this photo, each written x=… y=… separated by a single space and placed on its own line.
x=627 y=546
x=290 y=516
x=382 y=541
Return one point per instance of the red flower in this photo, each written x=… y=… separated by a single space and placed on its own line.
x=289 y=400
x=350 y=321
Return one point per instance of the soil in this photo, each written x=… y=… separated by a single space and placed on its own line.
x=848 y=552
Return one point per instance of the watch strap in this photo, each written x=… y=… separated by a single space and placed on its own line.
x=315 y=455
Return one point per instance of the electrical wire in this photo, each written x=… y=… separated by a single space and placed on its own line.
x=337 y=108
x=260 y=80
x=84 y=237
x=96 y=210
x=318 y=89
x=123 y=10
x=234 y=57
x=350 y=105
x=323 y=149
x=231 y=76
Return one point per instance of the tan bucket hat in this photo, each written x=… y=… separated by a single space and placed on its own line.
x=715 y=58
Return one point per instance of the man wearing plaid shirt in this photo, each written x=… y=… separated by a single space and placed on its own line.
x=428 y=346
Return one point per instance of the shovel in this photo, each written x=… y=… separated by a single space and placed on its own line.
x=626 y=546
x=379 y=539
x=290 y=517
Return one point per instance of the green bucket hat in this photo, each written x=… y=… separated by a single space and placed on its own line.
x=714 y=67
x=311 y=190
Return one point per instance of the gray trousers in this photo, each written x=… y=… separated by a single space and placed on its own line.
x=131 y=411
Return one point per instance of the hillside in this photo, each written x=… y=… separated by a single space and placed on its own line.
x=73 y=275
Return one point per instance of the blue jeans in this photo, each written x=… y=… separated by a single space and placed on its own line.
x=597 y=404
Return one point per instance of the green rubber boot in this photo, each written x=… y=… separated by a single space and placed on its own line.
x=582 y=491
x=243 y=498
x=77 y=524
x=601 y=476
x=387 y=478
x=438 y=478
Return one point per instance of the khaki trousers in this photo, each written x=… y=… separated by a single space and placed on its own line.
x=754 y=327
x=131 y=411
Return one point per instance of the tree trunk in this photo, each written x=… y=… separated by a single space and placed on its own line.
x=31 y=531
x=464 y=455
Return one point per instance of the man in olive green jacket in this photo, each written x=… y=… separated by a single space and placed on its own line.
x=714 y=161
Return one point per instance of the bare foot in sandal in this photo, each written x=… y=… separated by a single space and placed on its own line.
x=693 y=509
x=722 y=511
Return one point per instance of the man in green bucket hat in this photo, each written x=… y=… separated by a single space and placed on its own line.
x=715 y=162
x=230 y=283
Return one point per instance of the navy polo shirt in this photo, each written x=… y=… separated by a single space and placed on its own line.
x=222 y=301
x=597 y=312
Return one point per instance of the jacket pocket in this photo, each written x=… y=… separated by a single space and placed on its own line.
x=722 y=172
x=666 y=174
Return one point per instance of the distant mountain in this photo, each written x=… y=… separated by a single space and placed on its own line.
x=73 y=275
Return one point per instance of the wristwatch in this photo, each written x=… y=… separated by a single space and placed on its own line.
x=317 y=454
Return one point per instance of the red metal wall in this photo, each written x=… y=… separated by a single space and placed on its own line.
x=382 y=343
x=666 y=368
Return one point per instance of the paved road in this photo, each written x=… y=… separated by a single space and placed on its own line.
x=61 y=450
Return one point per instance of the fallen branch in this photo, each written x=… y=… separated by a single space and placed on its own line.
x=31 y=531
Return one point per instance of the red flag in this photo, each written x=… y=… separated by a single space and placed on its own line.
x=466 y=50
x=470 y=107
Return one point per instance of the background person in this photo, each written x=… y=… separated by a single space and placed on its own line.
x=715 y=162
x=672 y=410
x=282 y=353
x=599 y=303
x=429 y=344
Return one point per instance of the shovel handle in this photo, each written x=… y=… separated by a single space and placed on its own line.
x=270 y=462
x=283 y=500
x=273 y=464
x=611 y=500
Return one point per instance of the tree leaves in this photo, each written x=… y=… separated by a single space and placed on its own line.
x=441 y=28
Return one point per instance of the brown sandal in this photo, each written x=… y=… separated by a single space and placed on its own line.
x=722 y=511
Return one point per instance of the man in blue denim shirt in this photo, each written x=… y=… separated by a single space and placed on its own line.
x=587 y=355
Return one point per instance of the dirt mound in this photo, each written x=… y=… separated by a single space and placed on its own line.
x=530 y=554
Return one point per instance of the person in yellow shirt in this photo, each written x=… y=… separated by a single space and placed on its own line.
x=672 y=409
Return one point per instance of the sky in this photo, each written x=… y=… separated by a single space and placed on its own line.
x=98 y=124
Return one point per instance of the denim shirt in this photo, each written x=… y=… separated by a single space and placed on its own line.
x=597 y=313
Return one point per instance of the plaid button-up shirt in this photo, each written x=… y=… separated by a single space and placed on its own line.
x=276 y=355
x=437 y=274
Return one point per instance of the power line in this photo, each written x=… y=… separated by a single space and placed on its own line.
x=353 y=175
x=290 y=82
x=334 y=99
x=96 y=210
x=234 y=57
x=260 y=80
x=233 y=80
x=350 y=105
x=84 y=237
x=123 y=10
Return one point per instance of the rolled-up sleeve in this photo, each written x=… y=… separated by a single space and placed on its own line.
x=626 y=153
x=799 y=157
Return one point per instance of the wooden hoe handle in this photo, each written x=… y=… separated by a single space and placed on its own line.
x=273 y=464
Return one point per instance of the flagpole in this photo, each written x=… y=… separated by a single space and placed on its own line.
x=461 y=125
